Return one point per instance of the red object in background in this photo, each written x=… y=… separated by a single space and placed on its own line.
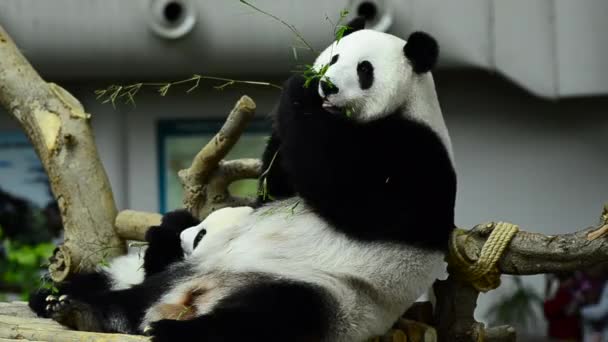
x=563 y=324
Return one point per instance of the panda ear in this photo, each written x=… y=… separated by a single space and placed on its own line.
x=422 y=50
x=354 y=25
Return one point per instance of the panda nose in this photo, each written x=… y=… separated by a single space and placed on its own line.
x=329 y=88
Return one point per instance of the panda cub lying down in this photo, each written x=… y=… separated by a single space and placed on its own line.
x=359 y=167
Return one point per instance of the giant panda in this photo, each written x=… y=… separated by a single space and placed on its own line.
x=365 y=167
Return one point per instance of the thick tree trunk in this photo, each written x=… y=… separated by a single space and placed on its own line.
x=18 y=323
x=60 y=131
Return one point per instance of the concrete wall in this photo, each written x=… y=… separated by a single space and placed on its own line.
x=537 y=163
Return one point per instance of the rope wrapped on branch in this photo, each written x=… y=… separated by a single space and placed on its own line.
x=483 y=273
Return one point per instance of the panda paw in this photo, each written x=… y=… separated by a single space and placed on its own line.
x=172 y=224
x=38 y=302
x=197 y=329
x=55 y=305
x=165 y=330
x=72 y=313
x=45 y=304
x=301 y=93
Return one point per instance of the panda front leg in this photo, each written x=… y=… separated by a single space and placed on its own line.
x=274 y=182
x=164 y=243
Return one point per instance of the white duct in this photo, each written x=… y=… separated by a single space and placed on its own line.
x=553 y=48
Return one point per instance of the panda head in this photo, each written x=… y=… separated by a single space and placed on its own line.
x=372 y=73
x=218 y=220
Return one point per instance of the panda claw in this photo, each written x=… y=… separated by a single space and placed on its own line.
x=148 y=330
x=55 y=304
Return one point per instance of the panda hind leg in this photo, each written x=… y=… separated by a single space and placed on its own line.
x=277 y=311
x=82 y=285
x=74 y=313
x=164 y=244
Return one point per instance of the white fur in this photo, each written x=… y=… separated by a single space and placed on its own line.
x=126 y=270
x=395 y=84
x=287 y=240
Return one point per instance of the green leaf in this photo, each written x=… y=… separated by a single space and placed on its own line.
x=340 y=31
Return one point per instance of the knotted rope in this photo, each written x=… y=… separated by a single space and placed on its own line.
x=483 y=274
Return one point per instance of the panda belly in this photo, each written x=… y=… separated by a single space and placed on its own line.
x=371 y=283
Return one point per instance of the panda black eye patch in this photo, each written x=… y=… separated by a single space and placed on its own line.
x=198 y=238
x=365 y=71
x=334 y=59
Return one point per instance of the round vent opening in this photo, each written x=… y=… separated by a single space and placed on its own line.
x=172 y=19
x=173 y=11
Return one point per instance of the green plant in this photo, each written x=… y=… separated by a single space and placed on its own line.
x=116 y=92
x=23 y=268
x=309 y=72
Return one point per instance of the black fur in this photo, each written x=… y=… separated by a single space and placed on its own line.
x=198 y=238
x=90 y=295
x=356 y=24
x=269 y=311
x=365 y=72
x=80 y=284
x=334 y=59
x=422 y=51
x=383 y=180
x=277 y=184
x=329 y=88
x=164 y=244
x=101 y=309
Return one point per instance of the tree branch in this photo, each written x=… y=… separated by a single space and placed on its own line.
x=18 y=322
x=206 y=181
x=40 y=329
x=534 y=253
x=133 y=225
x=58 y=127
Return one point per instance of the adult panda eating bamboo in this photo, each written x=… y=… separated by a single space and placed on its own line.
x=363 y=161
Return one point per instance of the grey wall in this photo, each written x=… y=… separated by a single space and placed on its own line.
x=537 y=163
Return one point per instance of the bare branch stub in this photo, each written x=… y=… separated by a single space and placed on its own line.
x=454 y=315
x=206 y=181
x=59 y=129
x=133 y=225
